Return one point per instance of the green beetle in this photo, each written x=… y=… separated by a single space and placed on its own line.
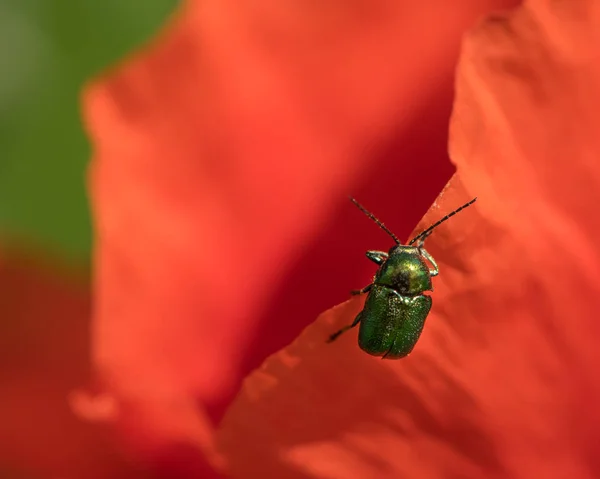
x=396 y=308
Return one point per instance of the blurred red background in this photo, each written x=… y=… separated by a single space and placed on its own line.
x=223 y=147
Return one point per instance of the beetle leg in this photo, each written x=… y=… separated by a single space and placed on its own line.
x=377 y=256
x=335 y=335
x=366 y=289
x=435 y=271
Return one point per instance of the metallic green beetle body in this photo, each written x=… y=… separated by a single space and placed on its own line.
x=390 y=324
x=396 y=307
x=395 y=310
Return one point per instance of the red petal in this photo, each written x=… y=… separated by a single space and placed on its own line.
x=44 y=353
x=503 y=382
x=222 y=154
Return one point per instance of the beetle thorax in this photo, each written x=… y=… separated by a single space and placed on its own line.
x=405 y=271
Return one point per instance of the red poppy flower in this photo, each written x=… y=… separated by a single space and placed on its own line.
x=223 y=230
x=222 y=160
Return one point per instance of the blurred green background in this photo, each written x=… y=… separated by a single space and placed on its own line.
x=48 y=49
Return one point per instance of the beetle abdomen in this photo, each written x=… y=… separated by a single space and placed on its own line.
x=391 y=323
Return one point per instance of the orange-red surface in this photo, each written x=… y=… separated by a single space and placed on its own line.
x=222 y=159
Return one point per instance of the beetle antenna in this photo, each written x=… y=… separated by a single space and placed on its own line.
x=372 y=216
x=428 y=231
